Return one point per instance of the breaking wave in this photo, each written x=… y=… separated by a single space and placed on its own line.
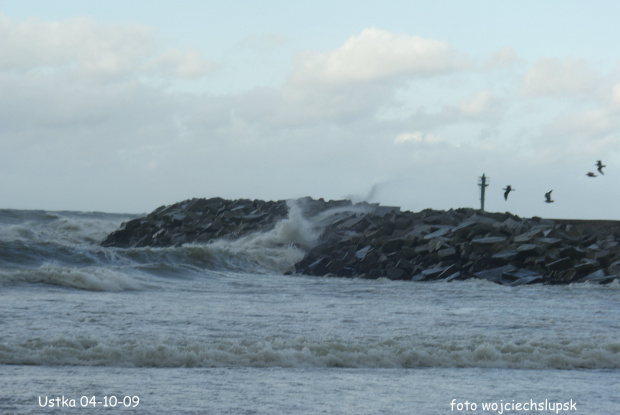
x=303 y=353
x=63 y=249
x=84 y=278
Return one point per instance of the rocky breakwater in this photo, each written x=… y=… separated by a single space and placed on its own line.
x=206 y=220
x=371 y=241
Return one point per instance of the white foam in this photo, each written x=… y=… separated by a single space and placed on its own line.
x=66 y=228
x=301 y=352
x=276 y=250
x=85 y=278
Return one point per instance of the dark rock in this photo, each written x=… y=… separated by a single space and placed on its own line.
x=527 y=236
x=560 y=264
x=600 y=277
x=429 y=274
x=457 y=276
x=446 y=254
x=392 y=245
x=614 y=268
x=372 y=241
x=521 y=277
x=405 y=265
x=573 y=252
x=550 y=242
x=504 y=257
x=527 y=250
x=489 y=244
x=436 y=244
x=375 y=273
x=361 y=254
x=495 y=274
x=442 y=231
x=398 y=274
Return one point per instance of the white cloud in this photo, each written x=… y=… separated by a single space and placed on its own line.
x=78 y=42
x=182 y=64
x=89 y=122
x=584 y=125
x=502 y=58
x=615 y=95
x=569 y=77
x=377 y=55
x=361 y=77
x=479 y=104
x=417 y=137
x=91 y=51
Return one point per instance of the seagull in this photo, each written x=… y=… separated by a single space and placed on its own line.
x=548 y=197
x=590 y=174
x=507 y=189
x=600 y=165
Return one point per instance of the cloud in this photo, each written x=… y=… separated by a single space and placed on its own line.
x=417 y=137
x=182 y=64
x=615 y=96
x=361 y=77
x=585 y=125
x=478 y=105
x=559 y=78
x=88 y=120
x=91 y=51
x=377 y=55
x=78 y=42
x=501 y=59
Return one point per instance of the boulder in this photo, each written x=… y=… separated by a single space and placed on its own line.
x=489 y=244
x=600 y=277
x=372 y=241
x=496 y=274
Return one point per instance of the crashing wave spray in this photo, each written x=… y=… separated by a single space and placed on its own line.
x=278 y=249
x=283 y=246
x=372 y=193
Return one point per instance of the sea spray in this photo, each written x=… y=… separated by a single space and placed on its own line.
x=276 y=250
x=280 y=248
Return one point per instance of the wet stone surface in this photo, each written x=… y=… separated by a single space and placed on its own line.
x=370 y=241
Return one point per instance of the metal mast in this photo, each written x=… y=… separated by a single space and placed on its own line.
x=483 y=183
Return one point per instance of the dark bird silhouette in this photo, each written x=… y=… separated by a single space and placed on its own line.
x=600 y=165
x=507 y=189
x=590 y=174
x=548 y=197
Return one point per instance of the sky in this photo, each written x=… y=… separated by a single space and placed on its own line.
x=124 y=106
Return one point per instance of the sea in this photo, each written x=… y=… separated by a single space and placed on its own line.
x=226 y=328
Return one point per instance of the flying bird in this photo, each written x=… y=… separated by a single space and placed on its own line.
x=600 y=165
x=548 y=197
x=507 y=189
x=590 y=174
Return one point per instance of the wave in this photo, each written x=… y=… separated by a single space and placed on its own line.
x=304 y=353
x=67 y=228
x=84 y=278
x=72 y=239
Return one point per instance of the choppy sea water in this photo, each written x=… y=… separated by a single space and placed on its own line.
x=219 y=329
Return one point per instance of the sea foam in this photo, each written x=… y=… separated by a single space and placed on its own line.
x=302 y=352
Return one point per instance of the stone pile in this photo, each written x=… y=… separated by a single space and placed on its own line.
x=466 y=243
x=205 y=220
x=371 y=241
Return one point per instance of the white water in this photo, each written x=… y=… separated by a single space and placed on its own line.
x=219 y=329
